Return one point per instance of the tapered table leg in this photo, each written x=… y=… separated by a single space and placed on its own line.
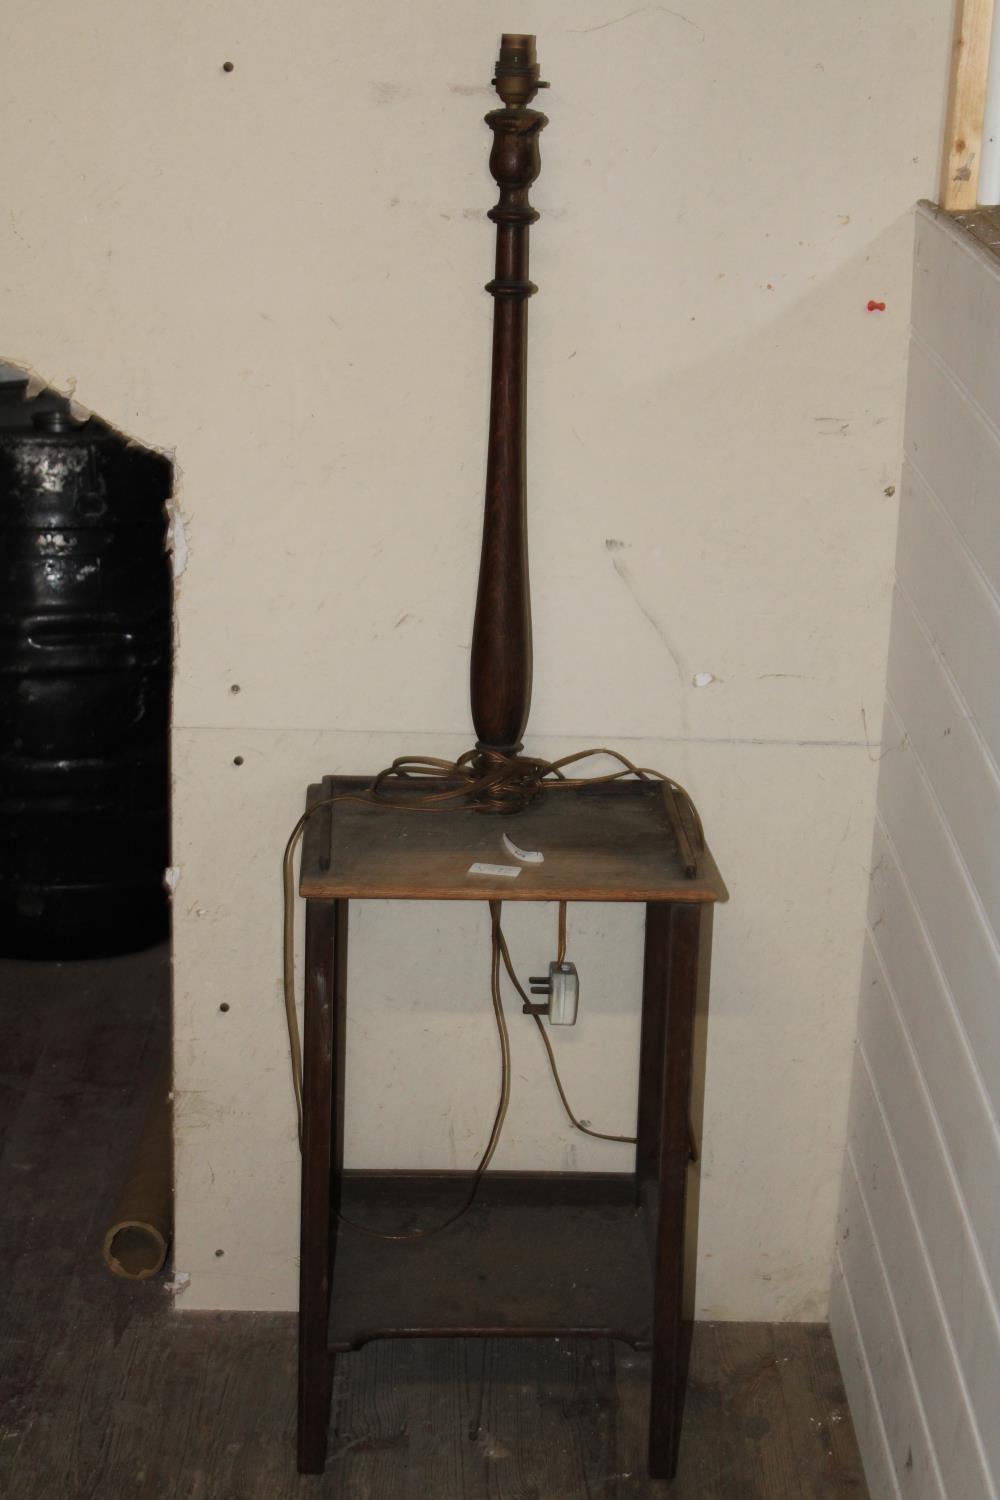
x=322 y=1146
x=670 y=988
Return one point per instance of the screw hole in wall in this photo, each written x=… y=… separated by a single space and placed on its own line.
x=237 y=760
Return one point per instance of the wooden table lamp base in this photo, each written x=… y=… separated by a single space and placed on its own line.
x=537 y=1254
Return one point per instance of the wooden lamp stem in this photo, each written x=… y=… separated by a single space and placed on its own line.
x=501 y=638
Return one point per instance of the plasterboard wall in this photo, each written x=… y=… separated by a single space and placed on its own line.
x=918 y=1265
x=277 y=273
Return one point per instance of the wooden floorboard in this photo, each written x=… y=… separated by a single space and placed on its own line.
x=105 y=1392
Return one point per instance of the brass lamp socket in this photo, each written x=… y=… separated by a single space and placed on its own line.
x=516 y=77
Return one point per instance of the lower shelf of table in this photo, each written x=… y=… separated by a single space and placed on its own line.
x=538 y=1254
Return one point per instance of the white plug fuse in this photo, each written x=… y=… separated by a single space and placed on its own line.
x=564 y=990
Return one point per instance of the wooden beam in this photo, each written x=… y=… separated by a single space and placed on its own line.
x=966 y=101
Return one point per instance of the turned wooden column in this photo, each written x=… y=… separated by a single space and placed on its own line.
x=501 y=638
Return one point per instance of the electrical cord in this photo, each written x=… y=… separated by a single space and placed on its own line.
x=487 y=781
x=599 y=1135
x=498 y=1119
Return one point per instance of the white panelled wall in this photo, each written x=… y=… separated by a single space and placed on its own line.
x=917 y=1274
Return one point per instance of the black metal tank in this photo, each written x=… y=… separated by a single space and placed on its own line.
x=85 y=650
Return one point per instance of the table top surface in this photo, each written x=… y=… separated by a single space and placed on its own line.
x=599 y=843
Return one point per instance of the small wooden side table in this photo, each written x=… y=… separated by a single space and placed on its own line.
x=591 y=1255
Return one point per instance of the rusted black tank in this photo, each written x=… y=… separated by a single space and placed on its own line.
x=85 y=635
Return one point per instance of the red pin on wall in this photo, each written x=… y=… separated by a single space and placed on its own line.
x=876 y=307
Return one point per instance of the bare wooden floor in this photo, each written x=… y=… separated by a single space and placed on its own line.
x=105 y=1392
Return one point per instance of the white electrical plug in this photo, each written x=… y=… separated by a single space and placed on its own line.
x=563 y=989
x=563 y=1006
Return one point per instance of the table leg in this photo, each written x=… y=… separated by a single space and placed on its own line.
x=322 y=1154
x=670 y=989
x=651 y=1047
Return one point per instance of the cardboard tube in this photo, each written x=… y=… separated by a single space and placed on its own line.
x=137 y=1240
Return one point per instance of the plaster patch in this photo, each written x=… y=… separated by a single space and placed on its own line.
x=177 y=544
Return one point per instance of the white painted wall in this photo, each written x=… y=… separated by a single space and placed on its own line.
x=918 y=1261
x=277 y=272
